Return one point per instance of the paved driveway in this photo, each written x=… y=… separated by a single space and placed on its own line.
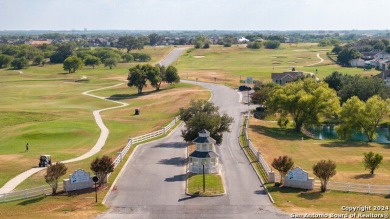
x=153 y=183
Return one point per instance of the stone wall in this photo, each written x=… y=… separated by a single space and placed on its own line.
x=68 y=186
x=309 y=184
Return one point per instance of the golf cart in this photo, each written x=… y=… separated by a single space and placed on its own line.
x=44 y=161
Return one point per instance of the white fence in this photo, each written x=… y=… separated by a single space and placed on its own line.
x=339 y=186
x=28 y=193
x=142 y=138
x=47 y=190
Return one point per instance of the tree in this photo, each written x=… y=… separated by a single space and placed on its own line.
x=307 y=101
x=171 y=75
x=110 y=62
x=137 y=77
x=72 y=63
x=102 y=167
x=347 y=54
x=154 y=38
x=372 y=161
x=355 y=115
x=127 y=57
x=38 y=60
x=204 y=115
x=324 y=170
x=262 y=95
x=153 y=75
x=254 y=45
x=19 y=63
x=283 y=165
x=5 y=60
x=90 y=60
x=144 y=57
x=53 y=173
x=62 y=52
x=130 y=43
x=272 y=44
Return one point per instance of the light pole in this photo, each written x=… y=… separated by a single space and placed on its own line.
x=95 y=179
x=204 y=179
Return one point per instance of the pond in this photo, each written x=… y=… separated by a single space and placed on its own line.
x=329 y=132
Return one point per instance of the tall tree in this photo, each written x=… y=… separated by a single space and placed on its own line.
x=204 y=115
x=53 y=173
x=137 y=77
x=307 y=101
x=5 y=60
x=72 y=63
x=153 y=75
x=324 y=170
x=283 y=165
x=356 y=115
x=19 y=63
x=62 y=52
x=130 y=43
x=102 y=167
x=90 y=60
x=154 y=38
x=171 y=75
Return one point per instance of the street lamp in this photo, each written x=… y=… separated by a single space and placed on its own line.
x=95 y=179
x=204 y=179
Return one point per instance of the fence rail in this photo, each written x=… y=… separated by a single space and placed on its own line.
x=47 y=190
x=28 y=193
x=339 y=186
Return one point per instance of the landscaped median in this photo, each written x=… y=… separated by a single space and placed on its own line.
x=213 y=185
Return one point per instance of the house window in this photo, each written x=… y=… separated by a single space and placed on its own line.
x=210 y=147
x=195 y=161
x=204 y=147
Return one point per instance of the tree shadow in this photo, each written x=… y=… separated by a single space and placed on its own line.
x=313 y=195
x=172 y=145
x=32 y=201
x=177 y=161
x=130 y=96
x=277 y=133
x=260 y=192
x=177 y=178
x=364 y=176
x=336 y=144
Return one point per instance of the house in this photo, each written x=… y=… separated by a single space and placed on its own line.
x=204 y=155
x=286 y=77
x=243 y=40
x=385 y=75
x=357 y=62
x=381 y=61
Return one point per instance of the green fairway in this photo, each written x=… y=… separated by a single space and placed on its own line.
x=228 y=65
x=214 y=185
x=44 y=107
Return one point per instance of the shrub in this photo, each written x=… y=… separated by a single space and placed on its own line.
x=324 y=170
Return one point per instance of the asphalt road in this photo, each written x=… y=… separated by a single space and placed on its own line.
x=153 y=183
x=172 y=56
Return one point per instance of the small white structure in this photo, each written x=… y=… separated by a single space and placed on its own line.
x=80 y=179
x=298 y=178
x=243 y=40
x=357 y=63
x=204 y=154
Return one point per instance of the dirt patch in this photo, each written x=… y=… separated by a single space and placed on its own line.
x=199 y=57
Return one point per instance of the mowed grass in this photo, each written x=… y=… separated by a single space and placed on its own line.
x=227 y=65
x=273 y=142
x=44 y=107
x=301 y=201
x=214 y=185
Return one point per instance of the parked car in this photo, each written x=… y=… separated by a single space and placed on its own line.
x=244 y=88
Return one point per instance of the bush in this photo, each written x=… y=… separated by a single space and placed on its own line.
x=372 y=161
x=19 y=63
x=206 y=46
x=324 y=170
x=254 y=45
x=272 y=44
x=283 y=165
x=227 y=45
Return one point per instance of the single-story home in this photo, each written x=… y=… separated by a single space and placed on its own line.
x=286 y=77
x=385 y=75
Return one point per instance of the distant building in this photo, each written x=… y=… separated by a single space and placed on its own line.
x=286 y=77
x=38 y=42
x=243 y=40
x=385 y=75
x=357 y=63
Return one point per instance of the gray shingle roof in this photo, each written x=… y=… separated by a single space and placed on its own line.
x=201 y=140
x=204 y=154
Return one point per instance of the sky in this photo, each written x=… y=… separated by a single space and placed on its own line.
x=194 y=14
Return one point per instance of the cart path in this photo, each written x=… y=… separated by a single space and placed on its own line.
x=321 y=60
x=14 y=182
